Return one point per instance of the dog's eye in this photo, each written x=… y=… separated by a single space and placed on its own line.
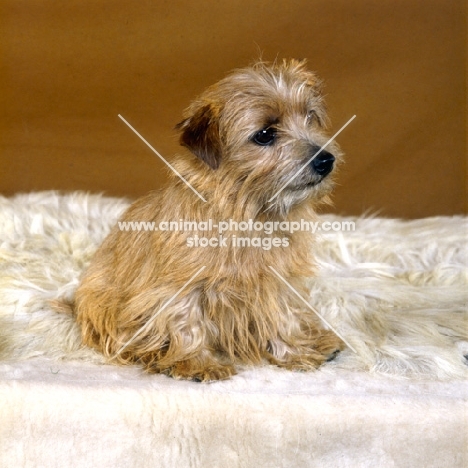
x=312 y=116
x=265 y=137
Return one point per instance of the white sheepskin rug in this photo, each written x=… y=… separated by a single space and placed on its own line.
x=396 y=290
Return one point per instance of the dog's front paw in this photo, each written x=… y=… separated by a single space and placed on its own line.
x=308 y=355
x=193 y=369
x=301 y=362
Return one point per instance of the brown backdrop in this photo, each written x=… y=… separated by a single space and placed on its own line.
x=69 y=67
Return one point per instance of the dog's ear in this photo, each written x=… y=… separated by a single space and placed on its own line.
x=200 y=134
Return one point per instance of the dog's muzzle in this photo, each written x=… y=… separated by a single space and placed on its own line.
x=322 y=164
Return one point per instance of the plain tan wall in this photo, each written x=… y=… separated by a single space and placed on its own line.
x=69 y=67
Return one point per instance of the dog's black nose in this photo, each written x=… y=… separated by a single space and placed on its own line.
x=323 y=163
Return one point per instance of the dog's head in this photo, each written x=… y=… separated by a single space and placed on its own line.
x=262 y=129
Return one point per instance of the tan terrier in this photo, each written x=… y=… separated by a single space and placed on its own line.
x=155 y=298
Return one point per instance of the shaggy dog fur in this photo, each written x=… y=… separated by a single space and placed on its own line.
x=194 y=312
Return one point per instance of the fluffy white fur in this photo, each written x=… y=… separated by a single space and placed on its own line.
x=396 y=290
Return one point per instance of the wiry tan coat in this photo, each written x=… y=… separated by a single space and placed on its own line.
x=132 y=303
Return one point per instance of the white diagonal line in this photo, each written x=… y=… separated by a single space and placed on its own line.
x=150 y=321
x=309 y=306
x=162 y=159
x=312 y=158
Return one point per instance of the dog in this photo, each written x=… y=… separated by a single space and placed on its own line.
x=159 y=299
